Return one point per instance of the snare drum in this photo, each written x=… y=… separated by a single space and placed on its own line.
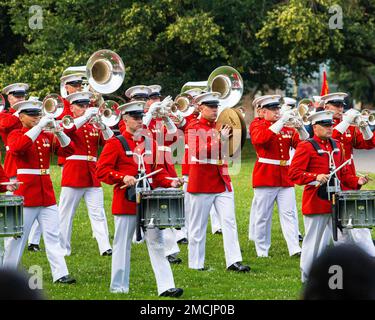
x=356 y=209
x=162 y=208
x=11 y=215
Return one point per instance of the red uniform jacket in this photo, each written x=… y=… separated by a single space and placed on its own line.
x=3 y=178
x=185 y=164
x=206 y=177
x=81 y=173
x=352 y=138
x=114 y=165
x=163 y=139
x=8 y=123
x=305 y=167
x=273 y=146
x=36 y=189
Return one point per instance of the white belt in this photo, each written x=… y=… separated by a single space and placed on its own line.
x=38 y=172
x=77 y=157
x=208 y=161
x=164 y=148
x=282 y=163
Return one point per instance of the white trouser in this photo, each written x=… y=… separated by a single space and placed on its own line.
x=201 y=204
x=183 y=233
x=263 y=204
x=48 y=218
x=215 y=220
x=35 y=233
x=124 y=230
x=170 y=241
x=314 y=243
x=69 y=201
x=358 y=236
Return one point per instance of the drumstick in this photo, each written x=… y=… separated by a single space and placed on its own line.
x=176 y=179
x=337 y=169
x=144 y=177
x=10 y=183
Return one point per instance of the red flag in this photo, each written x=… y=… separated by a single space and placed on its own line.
x=325 y=89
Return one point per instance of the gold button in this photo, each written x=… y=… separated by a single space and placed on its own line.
x=40 y=153
x=282 y=156
x=281 y=144
x=86 y=136
x=281 y=150
x=37 y=142
x=41 y=166
x=39 y=148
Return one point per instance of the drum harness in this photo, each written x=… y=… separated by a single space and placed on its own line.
x=142 y=183
x=333 y=185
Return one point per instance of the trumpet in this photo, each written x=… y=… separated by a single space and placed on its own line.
x=107 y=116
x=299 y=116
x=53 y=107
x=184 y=103
x=2 y=103
x=367 y=117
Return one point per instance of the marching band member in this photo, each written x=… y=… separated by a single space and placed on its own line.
x=165 y=137
x=272 y=141
x=78 y=176
x=31 y=149
x=210 y=184
x=310 y=166
x=118 y=168
x=9 y=121
x=350 y=137
x=70 y=84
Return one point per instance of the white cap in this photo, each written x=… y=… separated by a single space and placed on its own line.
x=289 y=101
x=132 y=107
x=15 y=88
x=209 y=98
x=142 y=91
x=257 y=99
x=155 y=90
x=194 y=92
x=317 y=98
x=74 y=77
x=268 y=101
x=80 y=97
x=321 y=116
x=28 y=105
x=333 y=97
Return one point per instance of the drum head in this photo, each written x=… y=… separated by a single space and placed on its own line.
x=235 y=120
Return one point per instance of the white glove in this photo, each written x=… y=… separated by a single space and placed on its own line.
x=343 y=125
x=90 y=112
x=350 y=115
x=154 y=108
x=167 y=102
x=45 y=121
x=302 y=132
x=169 y=124
x=147 y=119
x=107 y=133
x=63 y=138
x=33 y=133
x=366 y=132
x=287 y=115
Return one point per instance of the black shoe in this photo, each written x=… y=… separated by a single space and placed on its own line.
x=107 y=253
x=219 y=231
x=298 y=254
x=202 y=269
x=239 y=267
x=300 y=238
x=173 y=259
x=66 y=280
x=33 y=247
x=174 y=292
x=183 y=241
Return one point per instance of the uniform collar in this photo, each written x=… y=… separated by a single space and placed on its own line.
x=320 y=141
x=207 y=123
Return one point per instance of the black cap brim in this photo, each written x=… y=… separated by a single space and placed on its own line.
x=324 y=122
x=31 y=112
x=18 y=93
x=211 y=103
x=74 y=82
x=135 y=113
x=275 y=105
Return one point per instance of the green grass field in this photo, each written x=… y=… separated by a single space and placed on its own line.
x=276 y=277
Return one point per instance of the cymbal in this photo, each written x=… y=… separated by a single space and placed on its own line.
x=233 y=118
